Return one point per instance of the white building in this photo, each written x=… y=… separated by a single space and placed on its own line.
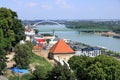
x=30 y=33
x=91 y=52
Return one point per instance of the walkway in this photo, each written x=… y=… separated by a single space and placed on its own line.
x=10 y=60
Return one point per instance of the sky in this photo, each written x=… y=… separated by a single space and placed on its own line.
x=64 y=9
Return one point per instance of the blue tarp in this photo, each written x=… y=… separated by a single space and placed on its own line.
x=17 y=70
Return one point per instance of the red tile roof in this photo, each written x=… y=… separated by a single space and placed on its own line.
x=61 y=47
x=41 y=40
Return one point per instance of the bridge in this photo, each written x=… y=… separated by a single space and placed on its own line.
x=65 y=29
x=79 y=30
x=46 y=22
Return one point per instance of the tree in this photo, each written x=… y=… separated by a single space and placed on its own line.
x=22 y=55
x=2 y=61
x=96 y=72
x=98 y=68
x=10 y=28
x=60 y=72
x=48 y=40
x=40 y=73
x=6 y=24
x=36 y=31
x=30 y=44
x=18 y=29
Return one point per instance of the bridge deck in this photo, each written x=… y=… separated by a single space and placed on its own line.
x=81 y=30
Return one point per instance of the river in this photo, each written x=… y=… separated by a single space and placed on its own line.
x=61 y=31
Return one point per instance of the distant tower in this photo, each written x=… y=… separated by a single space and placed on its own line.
x=53 y=32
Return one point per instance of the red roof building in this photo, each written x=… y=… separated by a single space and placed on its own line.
x=60 y=50
x=61 y=47
x=40 y=40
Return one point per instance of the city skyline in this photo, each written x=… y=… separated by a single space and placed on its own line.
x=64 y=9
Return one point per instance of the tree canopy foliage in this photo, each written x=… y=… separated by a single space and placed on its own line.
x=11 y=32
x=40 y=73
x=23 y=55
x=2 y=61
x=60 y=72
x=98 y=68
x=11 y=28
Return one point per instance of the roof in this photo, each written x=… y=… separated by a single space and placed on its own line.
x=91 y=49
x=87 y=49
x=61 y=47
x=36 y=47
x=41 y=40
x=96 y=48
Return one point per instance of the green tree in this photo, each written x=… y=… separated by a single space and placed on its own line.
x=18 y=29
x=36 y=31
x=48 y=40
x=12 y=27
x=9 y=29
x=95 y=72
x=22 y=55
x=2 y=61
x=30 y=44
x=5 y=25
x=60 y=73
x=98 y=68
x=40 y=73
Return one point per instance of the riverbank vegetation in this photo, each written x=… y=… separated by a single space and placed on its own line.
x=95 y=25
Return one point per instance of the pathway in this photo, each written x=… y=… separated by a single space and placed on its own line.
x=10 y=60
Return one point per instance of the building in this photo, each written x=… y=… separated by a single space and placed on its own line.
x=61 y=50
x=83 y=49
x=30 y=33
x=39 y=41
x=90 y=51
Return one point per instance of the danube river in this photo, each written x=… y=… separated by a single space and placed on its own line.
x=61 y=31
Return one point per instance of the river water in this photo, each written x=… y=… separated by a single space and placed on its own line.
x=61 y=31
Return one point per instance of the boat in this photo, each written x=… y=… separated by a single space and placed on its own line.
x=116 y=36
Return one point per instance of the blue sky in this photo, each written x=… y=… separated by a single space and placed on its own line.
x=64 y=9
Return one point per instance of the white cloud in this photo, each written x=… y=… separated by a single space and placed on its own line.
x=31 y=4
x=63 y=4
x=18 y=2
x=24 y=3
x=46 y=7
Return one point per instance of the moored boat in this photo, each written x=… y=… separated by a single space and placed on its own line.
x=116 y=36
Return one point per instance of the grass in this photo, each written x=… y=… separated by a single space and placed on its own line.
x=24 y=77
x=40 y=61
